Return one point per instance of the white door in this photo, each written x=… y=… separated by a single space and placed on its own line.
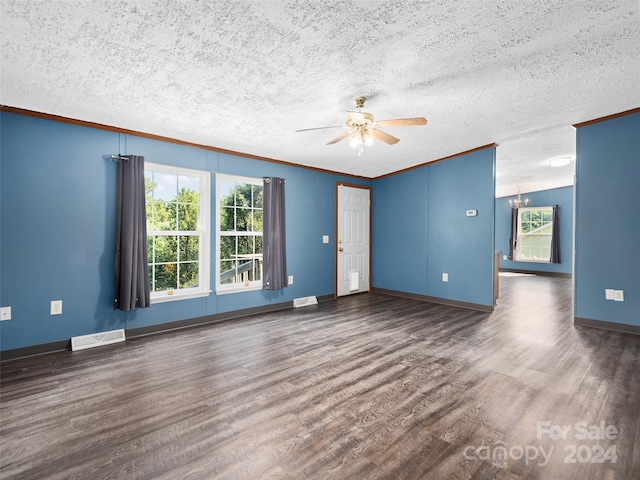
x=353 y=240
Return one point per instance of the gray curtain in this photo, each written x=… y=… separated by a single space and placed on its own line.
x=555 y=237
x=131 y=265
x=274 y=251
x=513 y=241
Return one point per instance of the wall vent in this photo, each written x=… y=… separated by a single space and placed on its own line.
x=97 y=339
x=304 y=301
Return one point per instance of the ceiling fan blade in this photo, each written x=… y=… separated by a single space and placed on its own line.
x=385 y=137
x=318 y=128
x=340 y=137
x=401 y=122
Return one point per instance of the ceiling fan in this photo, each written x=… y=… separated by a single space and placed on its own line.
x=362 y=128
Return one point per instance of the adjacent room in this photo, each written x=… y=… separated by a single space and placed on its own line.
x=298 y=240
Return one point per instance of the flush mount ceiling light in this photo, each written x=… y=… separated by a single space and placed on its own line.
x=560 y=161
x=362 y=128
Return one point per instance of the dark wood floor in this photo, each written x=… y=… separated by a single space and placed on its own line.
x=365 y=387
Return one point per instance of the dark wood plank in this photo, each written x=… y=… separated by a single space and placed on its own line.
x=364 y=387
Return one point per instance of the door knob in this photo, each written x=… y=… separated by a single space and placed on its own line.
x=340 y=249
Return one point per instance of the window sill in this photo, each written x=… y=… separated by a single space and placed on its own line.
x=179 y=296
x=238 y=289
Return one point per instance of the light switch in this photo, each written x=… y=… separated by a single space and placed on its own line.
x=325 y=238
x=608 y=293
x=618 y=295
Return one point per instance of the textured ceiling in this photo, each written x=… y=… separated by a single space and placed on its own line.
x=244 y=75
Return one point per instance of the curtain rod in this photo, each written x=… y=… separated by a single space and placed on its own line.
x=120 y=157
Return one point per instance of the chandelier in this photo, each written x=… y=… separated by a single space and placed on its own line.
x=517 y=203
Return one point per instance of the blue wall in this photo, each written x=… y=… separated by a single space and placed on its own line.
x=563 y=197
x=420 y=229
x=607 y=220
x=57 y=214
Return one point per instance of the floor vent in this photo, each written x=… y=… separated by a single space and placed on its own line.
x=97 y=339
x=304 y=301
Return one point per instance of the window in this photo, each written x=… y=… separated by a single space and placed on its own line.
x=178 y=213
x=535 y=228
x=239 y=233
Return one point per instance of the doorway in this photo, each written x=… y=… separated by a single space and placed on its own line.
x=353 y=239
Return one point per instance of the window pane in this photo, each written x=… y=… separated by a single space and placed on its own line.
x=525 y=215
x=257 y=220
x=188 y=275
x=243 y=219
x=227 y=247
x=165 y=186
x=226 y=194
x=164 y=216
x=245 y=245
x=227 y=272
x=166 y=277
x=240 y=207
x=166 y=249
x=189 y=183
x=151 y=278
x=188 y=216
x=257 y=196
x=227 y=220
x=189 y=248
x=243 y=194
x=148 y=189
x=150 y=249
x=547 y=215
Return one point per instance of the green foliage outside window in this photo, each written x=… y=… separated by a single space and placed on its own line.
x=240 y=226
x=173 y=239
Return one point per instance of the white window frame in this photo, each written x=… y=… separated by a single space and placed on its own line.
x=223 y=289
x=520 y=235
x=204 y=220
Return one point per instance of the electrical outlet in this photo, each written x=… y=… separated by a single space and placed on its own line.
x=608 y=293
x=290 y=279
x=618 y=295
x=504 y=257
x=5 y=313
x=445 y=277
x=56 y=307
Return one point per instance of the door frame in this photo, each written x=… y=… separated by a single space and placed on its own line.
x=336 y=214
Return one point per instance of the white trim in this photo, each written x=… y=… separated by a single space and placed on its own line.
x=184 y=295
x=532 y=234
x=231 y=288
x=204 y=235
x=236 y=288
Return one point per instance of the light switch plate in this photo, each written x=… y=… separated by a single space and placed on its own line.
x=5 y=313
x=618 y=295
x=445 y=277
x=325 y=238
x=608 y=293
x=56 y=307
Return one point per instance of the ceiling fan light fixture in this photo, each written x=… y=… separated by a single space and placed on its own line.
x=354 y=140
